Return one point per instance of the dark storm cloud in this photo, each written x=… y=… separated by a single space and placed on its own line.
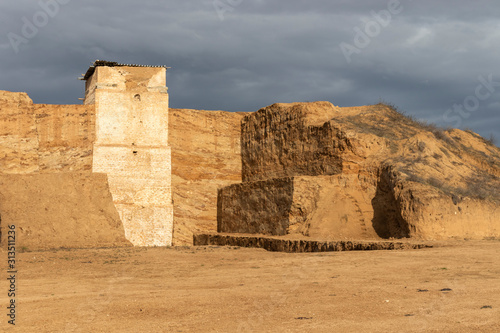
x=427 y=59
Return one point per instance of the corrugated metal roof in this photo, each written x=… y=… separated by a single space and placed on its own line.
x=98 y=63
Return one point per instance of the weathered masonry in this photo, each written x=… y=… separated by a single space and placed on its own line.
x=131 y=146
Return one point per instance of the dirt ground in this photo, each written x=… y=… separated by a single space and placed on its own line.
x=454 y=287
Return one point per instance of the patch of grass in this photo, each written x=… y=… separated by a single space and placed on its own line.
x=491 y=160
x=491 y=141
x=409 y=119
x=445 y=151
x=410 y=125
x=435 y=182
x=413 y=177
x=437 y=156
x=482 y=185
x=393 y=147
x=395 y=125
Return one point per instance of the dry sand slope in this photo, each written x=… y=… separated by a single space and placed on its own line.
x=454 y=287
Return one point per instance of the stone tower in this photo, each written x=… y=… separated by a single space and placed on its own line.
x=131 y=146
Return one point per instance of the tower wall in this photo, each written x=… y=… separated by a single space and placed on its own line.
x=131 y=147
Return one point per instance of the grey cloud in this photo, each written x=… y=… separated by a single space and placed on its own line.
x=426 y=60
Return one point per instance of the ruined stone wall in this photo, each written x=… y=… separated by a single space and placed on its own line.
x=308 y=168
x=206 y=156
x=132 y=148
x=322 y=207
x=284 y=140
x=301 y=245
x=18 y=134
x=40 y=138
x=65 y=137
x=256 y=208
x=299 y=176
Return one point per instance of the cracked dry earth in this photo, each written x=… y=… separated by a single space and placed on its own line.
x=453 y=287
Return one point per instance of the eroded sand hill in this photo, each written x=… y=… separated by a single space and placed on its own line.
x=360 y=172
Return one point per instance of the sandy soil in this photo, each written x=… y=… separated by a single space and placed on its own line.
x=451 y=288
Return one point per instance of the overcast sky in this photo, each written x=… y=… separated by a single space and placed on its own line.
x=436 y=60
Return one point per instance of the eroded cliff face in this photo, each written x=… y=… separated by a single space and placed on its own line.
x=362 y=172
x=431 y=212
x=205 y=157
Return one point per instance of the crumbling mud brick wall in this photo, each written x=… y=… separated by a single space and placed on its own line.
x=206 y=156
x=44 y=138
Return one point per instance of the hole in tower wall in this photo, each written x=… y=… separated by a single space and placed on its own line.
x=135 y=152
x=137 y=97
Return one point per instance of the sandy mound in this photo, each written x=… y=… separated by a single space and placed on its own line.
x=60 y=210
